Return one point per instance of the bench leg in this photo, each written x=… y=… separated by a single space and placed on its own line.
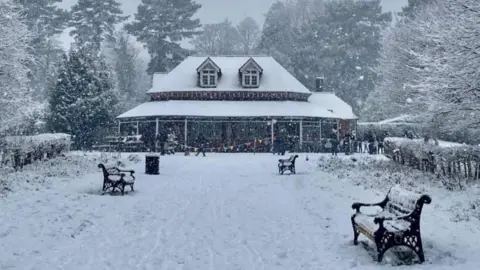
x=415 y=243
x=420 y=254
x=380 y=254
x=355 y=231
x=382 y=241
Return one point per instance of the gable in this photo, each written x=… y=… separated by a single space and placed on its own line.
x=250 y=64
x=208 y=64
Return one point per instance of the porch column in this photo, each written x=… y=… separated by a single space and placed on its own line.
x=272 y=131
x=301 y=133
x=137 y=128
x=119 y=128
x=185 y=135
x=320 y=129
x=156 y=127
x=338 y=129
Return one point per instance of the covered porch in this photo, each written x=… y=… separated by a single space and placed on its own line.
x=234 y=134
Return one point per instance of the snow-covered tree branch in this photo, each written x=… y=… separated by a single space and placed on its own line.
x=14 y=57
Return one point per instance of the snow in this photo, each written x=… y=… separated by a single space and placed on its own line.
x=158 y=77
x=223 y=211
x=35 y=141
x=184 y=77
x=441 y=143
x=401 y=119
x=332 y=102
x=229 y=109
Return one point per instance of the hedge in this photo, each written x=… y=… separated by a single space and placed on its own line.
x=18 y=151
x=456 y=164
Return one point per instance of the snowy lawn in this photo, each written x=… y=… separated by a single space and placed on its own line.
x=421 y=140
x=223 y=211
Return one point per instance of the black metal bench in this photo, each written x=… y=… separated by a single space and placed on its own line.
x=398 y=224
x=114 y=178
x=287 y=164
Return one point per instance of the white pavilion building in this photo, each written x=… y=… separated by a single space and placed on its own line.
x=235 y=101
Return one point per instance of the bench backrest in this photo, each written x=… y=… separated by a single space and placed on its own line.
x=107 y=171
x=401 y=202
x=292 y=158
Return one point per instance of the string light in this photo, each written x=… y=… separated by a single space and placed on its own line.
x=229 y=95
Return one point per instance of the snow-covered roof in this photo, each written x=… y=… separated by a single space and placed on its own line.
x=402 y=119
x=158 y=77
x=228 y=109
x=405 y=118
x=336 y=105
x=275 y=78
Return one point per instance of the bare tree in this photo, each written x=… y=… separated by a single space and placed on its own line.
x=432 y=60
x=217 y=39
x=249 y=35
x=15 y=98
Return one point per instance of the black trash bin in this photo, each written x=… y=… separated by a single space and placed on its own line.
x=152 y=164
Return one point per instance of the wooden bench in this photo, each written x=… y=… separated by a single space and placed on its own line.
x=398 y=224
x=287 y=164
x=114 y=178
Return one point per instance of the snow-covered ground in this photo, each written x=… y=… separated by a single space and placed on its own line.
x=421 y=140
x=223 y=211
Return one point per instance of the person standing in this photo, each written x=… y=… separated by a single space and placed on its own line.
x=160 y=141
x=201 y=145
x=335 y=142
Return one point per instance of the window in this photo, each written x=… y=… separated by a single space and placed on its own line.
x=246 y=80
x=250 y=78
x=209 y=78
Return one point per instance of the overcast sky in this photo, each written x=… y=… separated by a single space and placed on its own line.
x=216 y=10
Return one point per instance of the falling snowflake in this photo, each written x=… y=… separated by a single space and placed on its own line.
x=409 y=100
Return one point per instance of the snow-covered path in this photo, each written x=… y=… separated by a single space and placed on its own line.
x=219 y=212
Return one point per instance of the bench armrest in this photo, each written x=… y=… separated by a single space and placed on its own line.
x=357 y=205
x=127 y=171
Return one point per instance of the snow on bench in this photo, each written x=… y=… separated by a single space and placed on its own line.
x=398 y=224
x=114 y=178
x=287 y=164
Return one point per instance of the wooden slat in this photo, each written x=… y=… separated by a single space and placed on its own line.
x=365 y=232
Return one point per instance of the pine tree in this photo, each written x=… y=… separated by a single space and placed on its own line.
x=413 y=7
x=83 y=100
x=44 y=20
x=94 y=21
x=161 y=25
x=61 y=100
x=342 y=44
x=279 y=35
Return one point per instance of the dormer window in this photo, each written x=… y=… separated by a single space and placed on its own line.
x=208 y=74
x=250 y=78
x=250 y=74
x=209 y=78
